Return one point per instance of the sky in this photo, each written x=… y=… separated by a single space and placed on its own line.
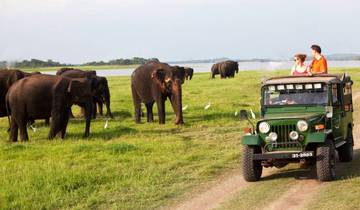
x=77 y=31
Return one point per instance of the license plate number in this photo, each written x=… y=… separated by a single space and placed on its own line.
x=302 y=155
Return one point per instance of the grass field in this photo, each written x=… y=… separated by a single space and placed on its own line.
x=137 y=166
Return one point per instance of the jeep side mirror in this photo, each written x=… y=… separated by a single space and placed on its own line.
x=243 y=115
x=329 y=111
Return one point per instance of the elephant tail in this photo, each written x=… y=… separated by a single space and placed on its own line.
x=8 y=112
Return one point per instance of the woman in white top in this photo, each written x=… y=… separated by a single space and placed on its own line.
x=299 y=68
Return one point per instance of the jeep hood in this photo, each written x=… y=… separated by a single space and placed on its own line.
x=304 y=112
x=277 y=116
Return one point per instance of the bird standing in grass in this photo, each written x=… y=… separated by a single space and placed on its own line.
x=207 y=106
x=106 y=124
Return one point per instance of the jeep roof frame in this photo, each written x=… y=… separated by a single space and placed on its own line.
x=317 y=78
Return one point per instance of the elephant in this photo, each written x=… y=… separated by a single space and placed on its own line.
x=189 y=73
x=225 y=69
x=99 y=84
x=102 y=96
x=228 y=68
x=45 y=96
x=153 y=83
x=215 y=70
x=7 y=78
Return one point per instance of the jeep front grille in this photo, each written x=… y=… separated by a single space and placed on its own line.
x=283 y=132
x=283 y=141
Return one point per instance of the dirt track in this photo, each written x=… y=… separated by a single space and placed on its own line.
x=225 y=189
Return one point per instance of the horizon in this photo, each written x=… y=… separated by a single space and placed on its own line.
x=80 y=31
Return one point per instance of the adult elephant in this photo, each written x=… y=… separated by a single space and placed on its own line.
x=154 y=83
x=8 y=78
x=45 y=96
x=215 y=70
x=228 y=69
x=99 y=85
x=189 y=73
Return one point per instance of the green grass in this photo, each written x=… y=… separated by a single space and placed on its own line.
x=103 y=67
x=128 y=165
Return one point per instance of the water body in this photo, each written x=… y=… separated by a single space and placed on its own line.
x=243 y=66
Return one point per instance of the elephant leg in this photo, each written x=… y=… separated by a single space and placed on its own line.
x=149 y=112
x=108 y=110
x=64 y=125
x=23 y=130
x=161 y=110
x=222 y=75
x=137 y=105
x=13 y=130
x=88 y=109
x=100 y=108
x=55 y=125
x=94 y=110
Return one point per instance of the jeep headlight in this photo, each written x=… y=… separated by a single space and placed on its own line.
x=302 y=125
x=272 y=137
x=294 y=135
x=264 y=127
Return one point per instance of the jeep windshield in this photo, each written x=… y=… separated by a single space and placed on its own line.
x=295 y=94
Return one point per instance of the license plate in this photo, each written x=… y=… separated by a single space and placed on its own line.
x=302 y=155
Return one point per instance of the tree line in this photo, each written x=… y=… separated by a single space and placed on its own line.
x=36 y=63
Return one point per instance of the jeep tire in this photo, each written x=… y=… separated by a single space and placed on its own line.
x=252 y=169
x=325 y=161
x=346 y=151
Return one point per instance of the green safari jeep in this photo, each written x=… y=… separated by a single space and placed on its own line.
x=304 y=119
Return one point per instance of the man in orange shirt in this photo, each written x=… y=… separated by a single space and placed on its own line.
x=319 y=63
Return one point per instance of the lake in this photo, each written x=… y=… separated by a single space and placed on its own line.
x=243 y=66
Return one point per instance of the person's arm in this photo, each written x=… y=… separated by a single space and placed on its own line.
x=308 y=70
x=323 y=66
x=292 y=70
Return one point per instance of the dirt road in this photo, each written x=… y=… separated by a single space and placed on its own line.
x=224 y=189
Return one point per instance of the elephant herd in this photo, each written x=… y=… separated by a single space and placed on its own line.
x=26 y=97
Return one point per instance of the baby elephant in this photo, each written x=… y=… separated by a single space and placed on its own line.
x=44 y=96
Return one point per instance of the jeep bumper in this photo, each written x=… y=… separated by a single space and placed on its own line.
x=284 y=155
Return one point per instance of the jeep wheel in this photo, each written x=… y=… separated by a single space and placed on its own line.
x=252 y=169
x=325 y=161
x=346 y=151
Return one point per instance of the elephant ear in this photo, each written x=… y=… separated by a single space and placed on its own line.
x=158 y=76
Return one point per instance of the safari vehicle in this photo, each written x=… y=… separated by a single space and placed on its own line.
x=303 y=119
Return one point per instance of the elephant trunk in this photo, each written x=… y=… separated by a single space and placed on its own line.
x=176 y=102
